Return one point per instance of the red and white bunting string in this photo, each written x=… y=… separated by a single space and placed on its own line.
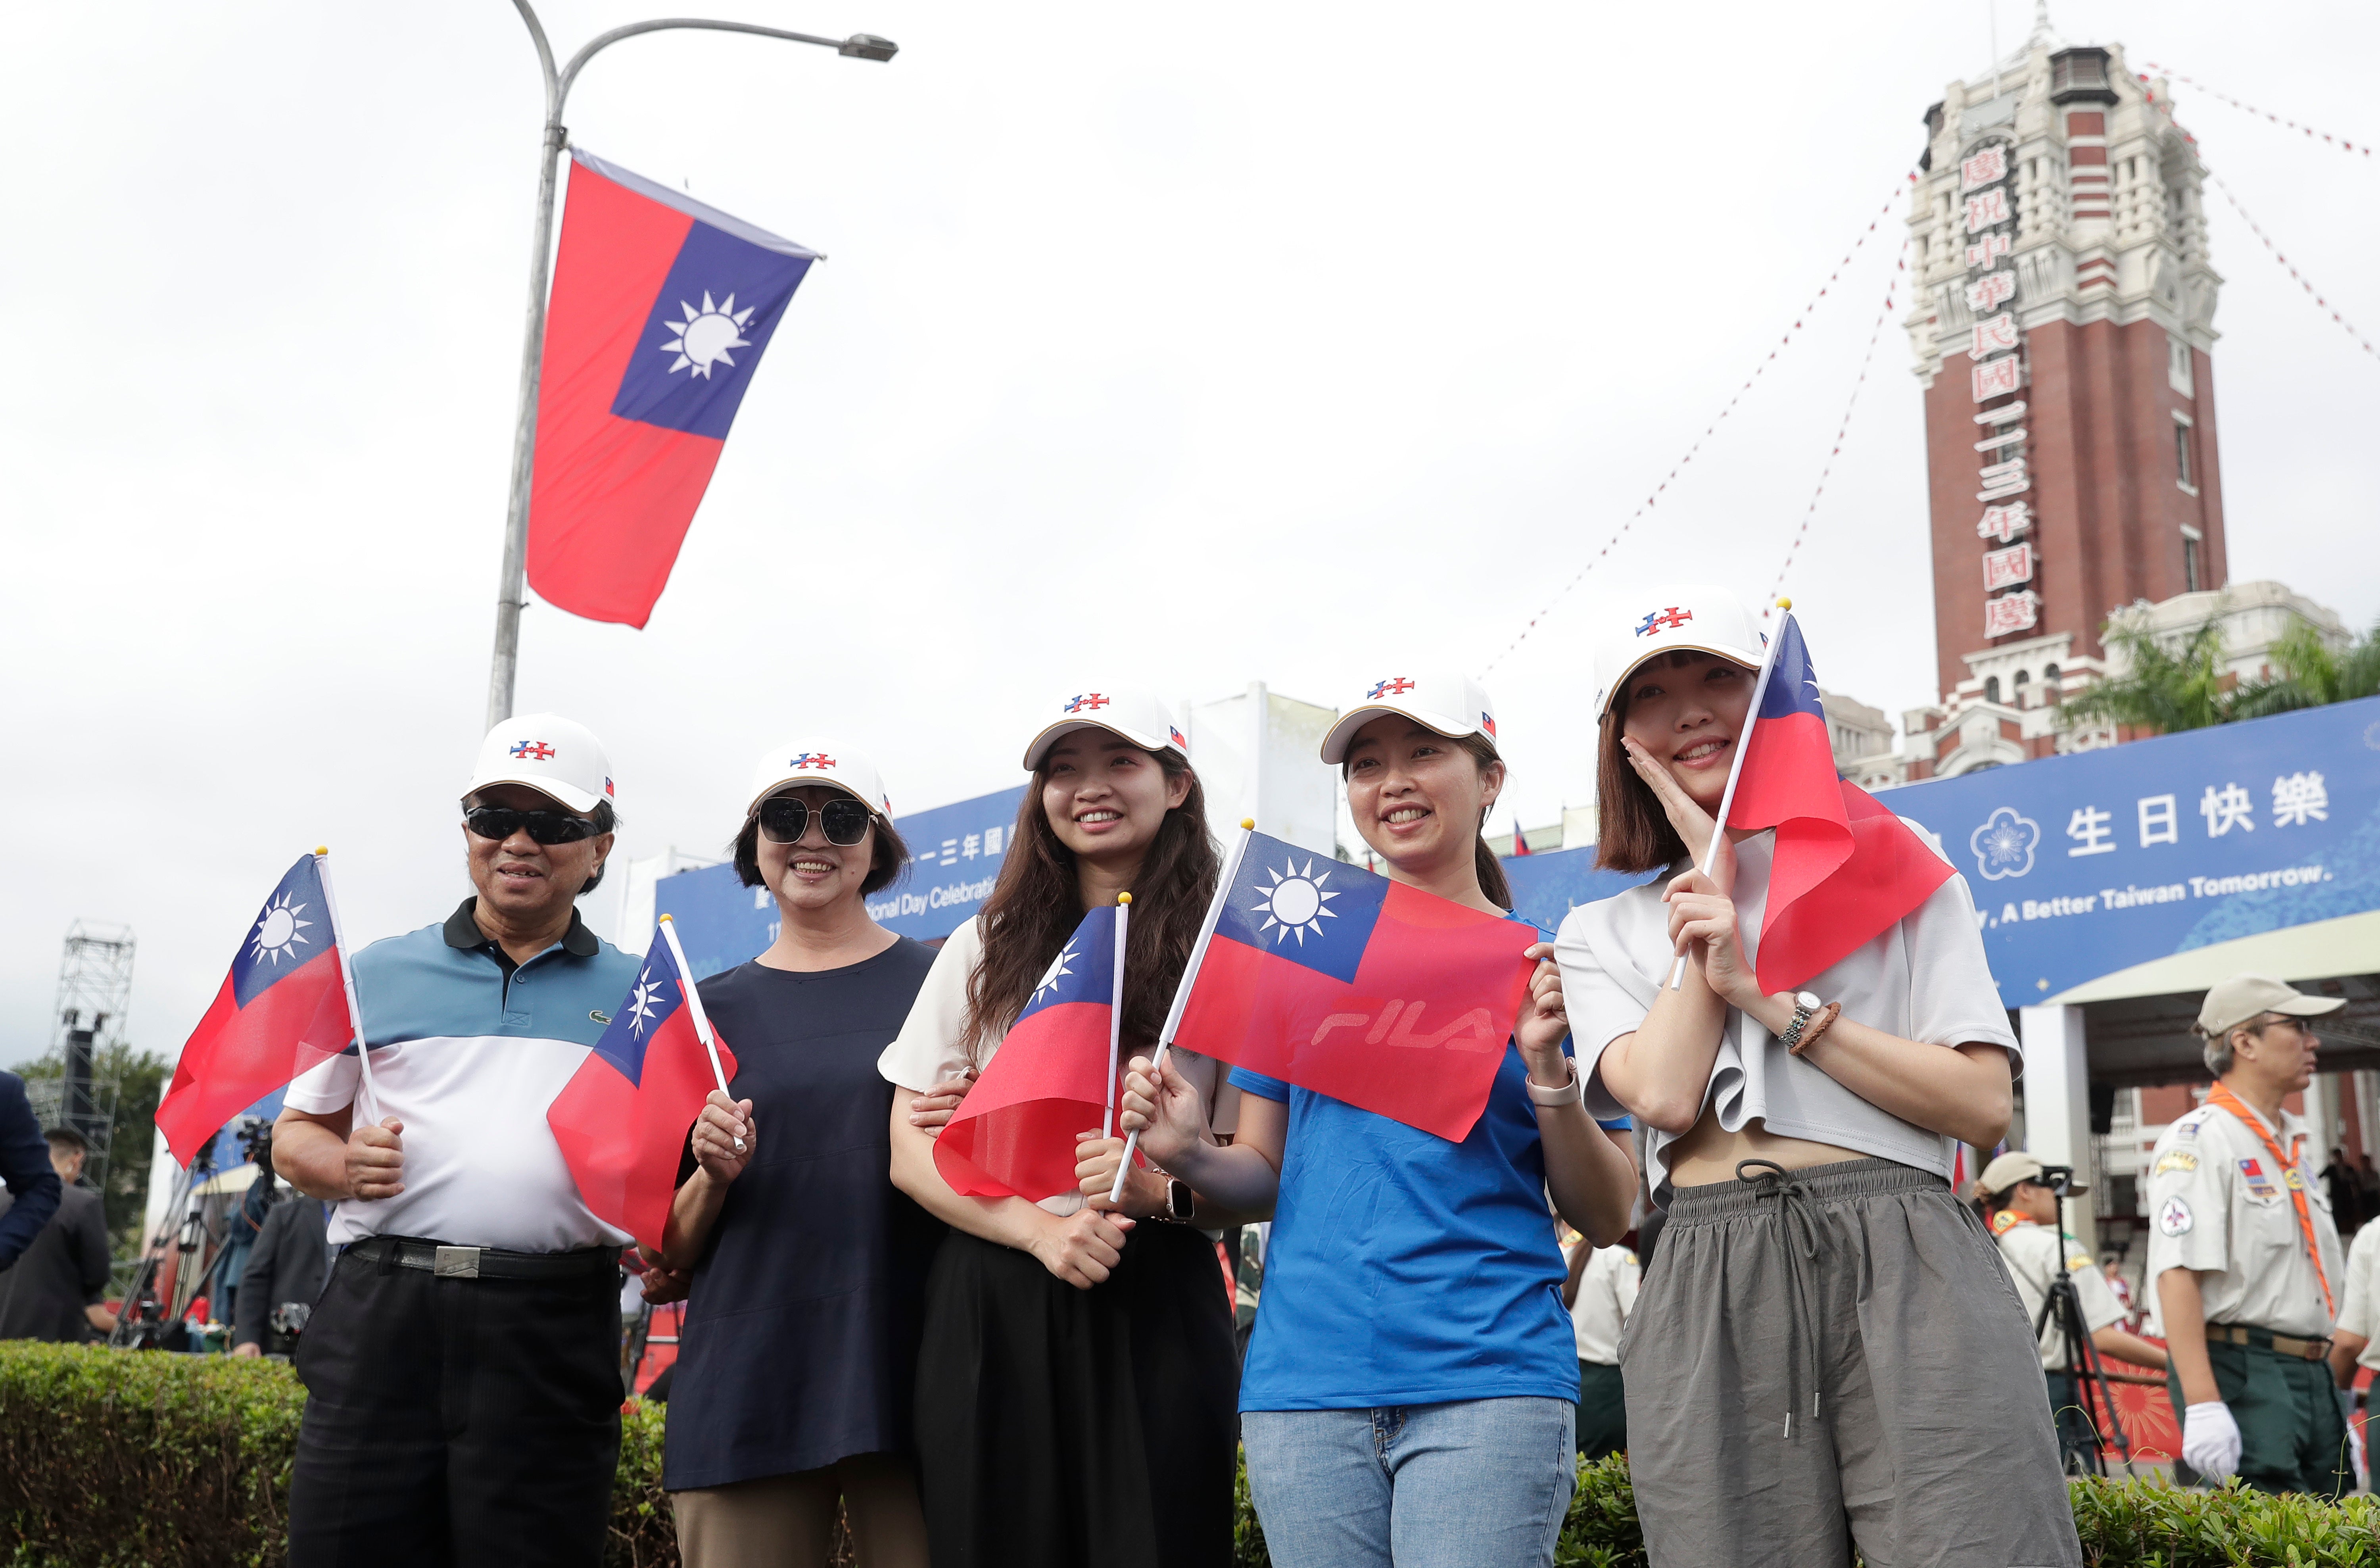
x=1892 y=291
x=2338 y=141
x=1646 y=505
x=2311 y=293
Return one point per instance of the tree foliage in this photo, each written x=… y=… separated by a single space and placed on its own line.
x=140 y=1078
x=2167 y=688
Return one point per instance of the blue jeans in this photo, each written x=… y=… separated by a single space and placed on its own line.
x=1478 y=1483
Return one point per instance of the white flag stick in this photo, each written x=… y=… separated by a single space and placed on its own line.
x=369 y=1091
x=1189 y=978
x=1115 y=1014
x=1735 y=769
x=694 y=1000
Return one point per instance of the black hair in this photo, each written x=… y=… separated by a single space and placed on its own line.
x=68 y=1137
x=887 y=860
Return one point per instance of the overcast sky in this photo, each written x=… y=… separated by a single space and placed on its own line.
x=1178 y=347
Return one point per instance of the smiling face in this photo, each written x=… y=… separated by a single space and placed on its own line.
x=813 y=875
x=1105 y=797
x=1687 y=709
x=1418 y=799
x=520 y=878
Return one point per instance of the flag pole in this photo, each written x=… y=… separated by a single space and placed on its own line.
x=694 y=1000
x=1115 y=1014
x=1189 y=976
x=1735 y=769
x=348 y=978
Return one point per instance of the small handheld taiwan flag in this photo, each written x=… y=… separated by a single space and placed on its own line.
x=1051 y=1080
x=623 y=1118
x=660 y=309
x=281 y=1011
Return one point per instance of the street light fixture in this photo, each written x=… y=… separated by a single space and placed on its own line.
x=513 y=584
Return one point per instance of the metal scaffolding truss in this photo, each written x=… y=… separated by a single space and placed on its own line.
x=94 y=995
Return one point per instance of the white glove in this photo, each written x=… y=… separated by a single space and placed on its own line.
x=2210 y=1441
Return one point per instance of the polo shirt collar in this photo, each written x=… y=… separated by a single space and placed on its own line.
x=463 y=931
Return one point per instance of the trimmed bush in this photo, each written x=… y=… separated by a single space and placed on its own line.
x=117 y=1460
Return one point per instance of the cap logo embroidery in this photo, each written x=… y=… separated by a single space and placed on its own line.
x=1487 y=721
x=1395 y=687
x=811 y=760
x=534 y=751
x=607 y=786
x=1092 y=701
x=1177 y=737
x=1663 y=620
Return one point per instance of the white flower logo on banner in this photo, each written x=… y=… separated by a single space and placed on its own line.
x=2003 y=846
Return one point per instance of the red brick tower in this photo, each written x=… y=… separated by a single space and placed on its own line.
x=2062 y=324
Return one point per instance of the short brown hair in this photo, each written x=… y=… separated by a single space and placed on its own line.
x=888 y=858
x=1632 y=833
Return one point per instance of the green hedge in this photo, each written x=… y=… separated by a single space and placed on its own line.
x=112 y=1460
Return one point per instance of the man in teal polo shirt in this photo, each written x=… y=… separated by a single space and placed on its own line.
x=462 y=1368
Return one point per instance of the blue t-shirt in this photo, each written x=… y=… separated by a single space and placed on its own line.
x=1406 y=1270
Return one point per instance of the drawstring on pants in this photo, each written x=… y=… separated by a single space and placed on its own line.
x=1797 y=1232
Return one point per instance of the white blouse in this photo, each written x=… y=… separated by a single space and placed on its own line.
x=931 y=1046
x=1925 y=979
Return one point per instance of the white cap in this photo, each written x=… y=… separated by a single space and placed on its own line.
x=1697 y=616
x=1140 y=717
x=1452 y=704
x=811 y=760
x=546 y=752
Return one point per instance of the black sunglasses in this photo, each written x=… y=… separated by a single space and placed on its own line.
x=500 y=822
x=785 y=818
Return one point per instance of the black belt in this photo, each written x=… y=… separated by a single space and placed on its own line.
x=484 y=1262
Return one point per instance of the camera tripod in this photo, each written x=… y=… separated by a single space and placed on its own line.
x=2085 y=1373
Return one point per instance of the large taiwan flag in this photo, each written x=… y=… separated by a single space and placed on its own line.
x=1343 y=982
x=661 y=309
x=1051 y=1081
x=282 y=1010
x=623 y=1118
x=1845 y=868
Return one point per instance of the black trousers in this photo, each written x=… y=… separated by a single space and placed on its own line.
x=456 y=1422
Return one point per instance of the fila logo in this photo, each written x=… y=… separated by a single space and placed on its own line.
x=1397 y=1024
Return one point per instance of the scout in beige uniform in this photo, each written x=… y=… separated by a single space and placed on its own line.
x=2243 y=1260
x=2022 y=1215
x=2356 y=1341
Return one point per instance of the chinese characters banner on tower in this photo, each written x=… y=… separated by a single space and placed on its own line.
x=2088 y=864
x=1995 y=348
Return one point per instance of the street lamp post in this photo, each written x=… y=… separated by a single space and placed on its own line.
x=513 y=584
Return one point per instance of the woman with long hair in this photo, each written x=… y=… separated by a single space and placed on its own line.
x=1411 y=1386
x=1075 y=1390
x=1829 y=1357
x=795 y=1373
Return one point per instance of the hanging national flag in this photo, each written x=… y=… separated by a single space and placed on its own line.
x=623 y=1118
x=661 y=309
x=1845 y=868
x=1343 y=982
x=1050 y=1081
x=282 y=1010
x=1520 y=837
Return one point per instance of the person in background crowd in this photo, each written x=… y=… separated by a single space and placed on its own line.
x=799 y=1348
x=54 y=1292
x=462 y=1368
x=2243 y=1259
x=2023 y=1216
x=2352 y=1341
x=1821 y=1299
x=2111 y=1269
x=245 y=1223
x=2346 y=1194
x=1074 y=1391
x=1600 y=1292
x=1411 y=1386
x=287 y=1269
x=25 y=1165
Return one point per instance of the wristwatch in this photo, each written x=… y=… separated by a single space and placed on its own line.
x=1571 y=1093
x=1181 y=1203
x=1805 y=1007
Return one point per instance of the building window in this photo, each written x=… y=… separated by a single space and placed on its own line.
x=2190 y=567
x=2178 y=372
x=1991 y=689
x=2050 y=678
x=2017 y=696
x=2183 y=472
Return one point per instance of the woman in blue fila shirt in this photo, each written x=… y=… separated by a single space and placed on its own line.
x=1410 y=1391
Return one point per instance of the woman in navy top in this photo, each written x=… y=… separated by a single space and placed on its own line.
x=1409 y=1389
x=797 y=1366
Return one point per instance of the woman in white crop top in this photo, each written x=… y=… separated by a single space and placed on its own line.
x=1827 y=1356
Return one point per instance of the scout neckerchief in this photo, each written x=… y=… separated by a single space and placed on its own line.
x=2286 y=1166
x=2006 y=1220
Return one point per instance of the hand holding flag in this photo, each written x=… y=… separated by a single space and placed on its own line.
x=623 y=1118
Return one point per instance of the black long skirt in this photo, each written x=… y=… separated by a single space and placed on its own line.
x=1073 y=1428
